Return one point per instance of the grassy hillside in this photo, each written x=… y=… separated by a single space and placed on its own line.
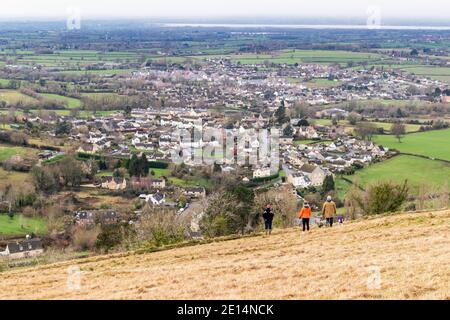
x=21 y=226
x=6 y=152
x=71 y=102
x=409 y=252
x=414 y=169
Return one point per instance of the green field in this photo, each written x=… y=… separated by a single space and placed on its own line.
x=196 y=181
x=7 y=152
x=315 y=83
x=13 y=177
x=416 y=170
x=436 y=73
x=408 y=127
x=21 y=226
x=385 y=125
x=81 y=113
x=302 y=56
x=71 y=102
x=13 y=96
x=76 y=59
x=160 y=172
x=305 y=142
x=434 y=144
x=98 y=72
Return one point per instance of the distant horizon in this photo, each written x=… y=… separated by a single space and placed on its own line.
x=286 y=20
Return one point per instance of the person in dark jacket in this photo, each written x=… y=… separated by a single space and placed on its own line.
x=268 y=218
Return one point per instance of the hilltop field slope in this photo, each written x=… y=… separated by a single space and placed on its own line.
x=404 y=256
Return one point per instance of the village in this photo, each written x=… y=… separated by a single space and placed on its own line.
x=166 y=134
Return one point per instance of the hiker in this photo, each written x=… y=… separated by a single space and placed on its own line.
x=329 y=210
x=305 y=215
x=268 y=218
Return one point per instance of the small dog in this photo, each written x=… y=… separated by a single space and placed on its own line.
x=321 y=223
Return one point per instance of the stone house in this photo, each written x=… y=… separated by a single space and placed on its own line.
x=114 y=183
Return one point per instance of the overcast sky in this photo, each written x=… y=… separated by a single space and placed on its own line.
x=439 y=9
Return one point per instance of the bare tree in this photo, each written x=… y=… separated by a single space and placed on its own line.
x=365 y=130
x=285 y=205
x=398 y=130
x=160 y=226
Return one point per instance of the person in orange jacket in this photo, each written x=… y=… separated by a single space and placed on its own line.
x=305 y=215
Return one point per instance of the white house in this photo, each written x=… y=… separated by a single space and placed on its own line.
x=299 y=180
x=197 y=192
x=261 y=173
x=156 y=199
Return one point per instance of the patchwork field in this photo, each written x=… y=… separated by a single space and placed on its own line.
x=98 y=72
x=435 y=144
x=302 y=56
x=393 y=257
x=72 y=59
x=66 y=112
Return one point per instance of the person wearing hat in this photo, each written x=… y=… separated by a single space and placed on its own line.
x=329 y=210
x=305 y=215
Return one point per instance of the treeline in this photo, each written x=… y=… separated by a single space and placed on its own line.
x=393 y=111
x=67 y=172
x=19 y=138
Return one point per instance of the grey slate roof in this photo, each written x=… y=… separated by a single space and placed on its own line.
x=24 y=246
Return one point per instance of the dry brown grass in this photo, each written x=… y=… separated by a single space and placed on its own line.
x=411 y=251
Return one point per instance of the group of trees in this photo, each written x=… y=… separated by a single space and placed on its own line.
x=63 y=128
x=138 y=167
x=229 y=211
x=378 y=198
x=50 y=178
x=281 y=116
x=14 y=137
x=365 y=130
x=237 y=209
